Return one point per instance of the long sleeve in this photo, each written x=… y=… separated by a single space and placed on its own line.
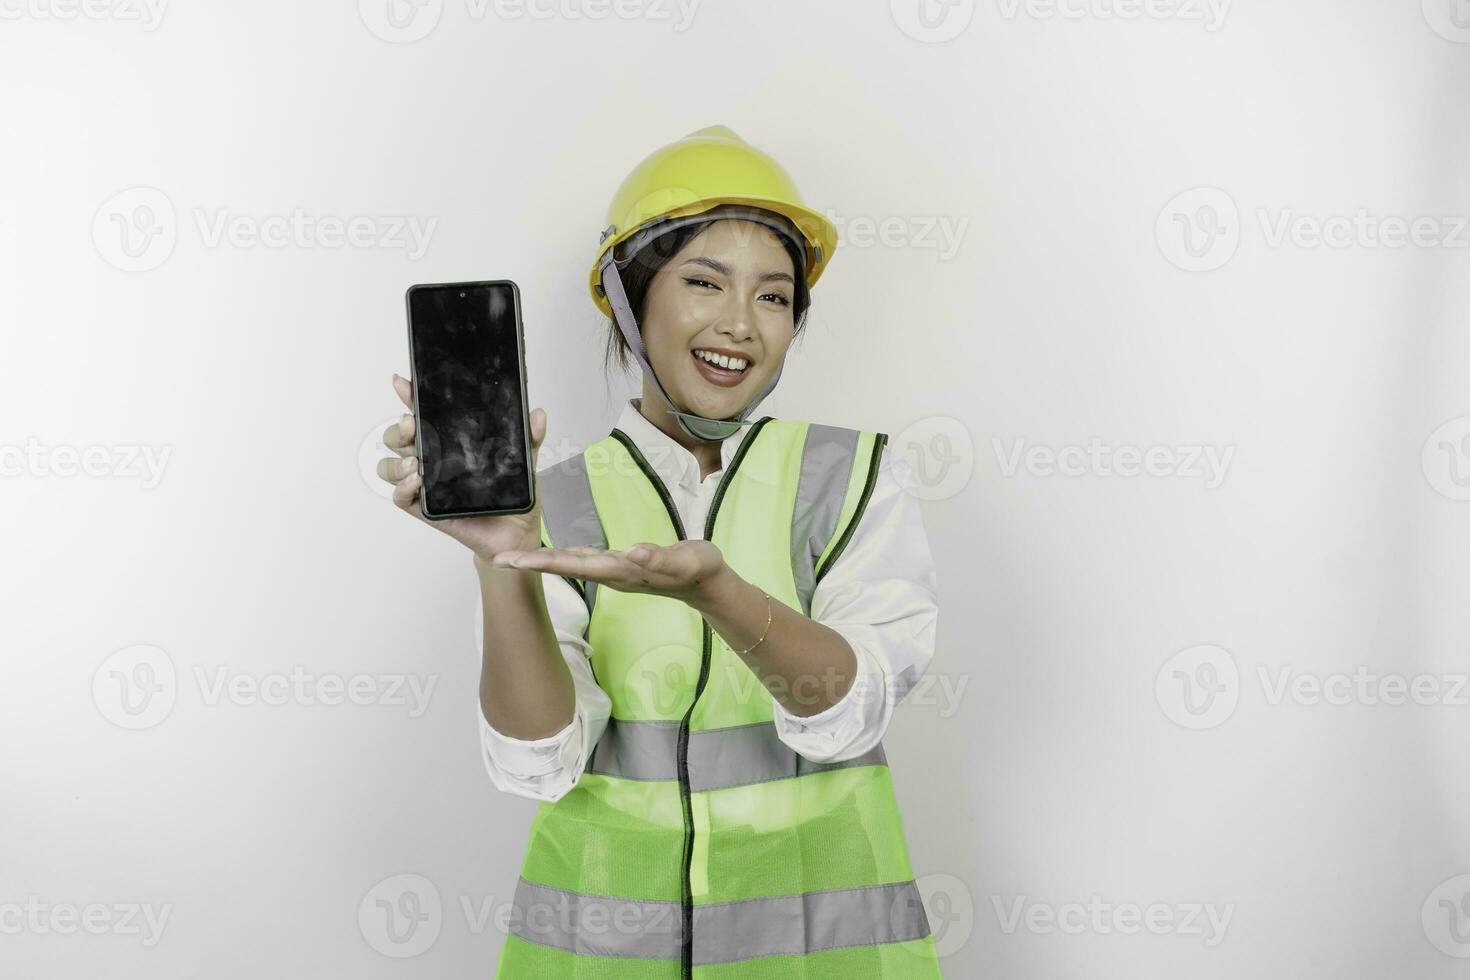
x=547 y=768
x=881 y=595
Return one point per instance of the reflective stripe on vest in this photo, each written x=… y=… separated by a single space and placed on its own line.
x=568 y=516
x=731 y=931
x=719 y=758
x=692 y=822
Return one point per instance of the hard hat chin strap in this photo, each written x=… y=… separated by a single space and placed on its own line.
x=696 y=426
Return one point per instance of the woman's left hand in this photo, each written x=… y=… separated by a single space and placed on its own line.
x=680 y=571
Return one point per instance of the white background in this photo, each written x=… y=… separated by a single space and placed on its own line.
x=1083 y=756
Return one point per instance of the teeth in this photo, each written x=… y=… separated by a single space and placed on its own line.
x=729 y=363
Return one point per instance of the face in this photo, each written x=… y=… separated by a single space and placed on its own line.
x=729 y=290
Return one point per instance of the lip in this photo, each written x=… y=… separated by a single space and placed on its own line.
x=718 y=376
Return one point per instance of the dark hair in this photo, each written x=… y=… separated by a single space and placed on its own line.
x=638 y=274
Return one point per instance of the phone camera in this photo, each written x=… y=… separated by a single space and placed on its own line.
x=461 y=295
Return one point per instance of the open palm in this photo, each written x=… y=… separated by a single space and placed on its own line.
x=679 y=570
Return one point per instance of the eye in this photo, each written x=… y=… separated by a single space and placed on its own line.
x=695 y=281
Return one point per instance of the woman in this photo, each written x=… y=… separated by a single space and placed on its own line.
x=678 y=664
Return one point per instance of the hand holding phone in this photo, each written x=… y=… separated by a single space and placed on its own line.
x=486 y=536
x=467 y=453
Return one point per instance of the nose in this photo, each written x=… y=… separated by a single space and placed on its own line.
x=737 y=320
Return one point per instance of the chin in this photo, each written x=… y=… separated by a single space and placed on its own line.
x=727 y=402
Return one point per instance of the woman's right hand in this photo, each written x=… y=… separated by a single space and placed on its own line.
x=485 y=536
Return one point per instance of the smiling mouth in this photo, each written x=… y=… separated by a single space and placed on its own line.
x=716 y=375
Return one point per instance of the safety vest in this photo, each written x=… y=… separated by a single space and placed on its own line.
x=696 y=845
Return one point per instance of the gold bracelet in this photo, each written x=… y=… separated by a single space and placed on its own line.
x=768 y=625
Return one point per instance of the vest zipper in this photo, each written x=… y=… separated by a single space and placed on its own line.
x=686 y=904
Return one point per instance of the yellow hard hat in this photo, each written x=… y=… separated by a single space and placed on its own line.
x=706 y=169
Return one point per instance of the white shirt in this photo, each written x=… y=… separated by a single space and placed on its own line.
x=881 y=595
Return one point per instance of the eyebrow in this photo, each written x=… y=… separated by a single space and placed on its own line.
x=724 y=269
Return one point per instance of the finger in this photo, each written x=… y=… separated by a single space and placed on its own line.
x=575 y=551
x=399 y=436
x=599 y=567
x=394 y=470
x=406 y=491
x=538 y=431
x=404 y=387
x=649 y=555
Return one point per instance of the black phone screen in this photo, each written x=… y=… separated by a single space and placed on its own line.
x=469 y=393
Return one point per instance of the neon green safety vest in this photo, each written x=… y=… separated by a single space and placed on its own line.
x=696 y=845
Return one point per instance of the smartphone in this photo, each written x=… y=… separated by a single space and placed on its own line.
x=472 y=427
